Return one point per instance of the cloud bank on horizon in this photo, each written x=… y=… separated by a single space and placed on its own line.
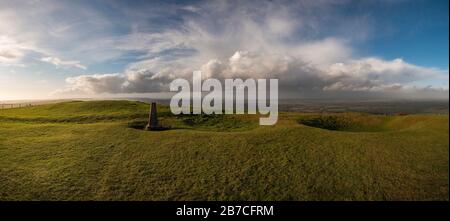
x=315 y=48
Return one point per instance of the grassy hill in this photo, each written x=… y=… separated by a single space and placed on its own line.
x=96 y=151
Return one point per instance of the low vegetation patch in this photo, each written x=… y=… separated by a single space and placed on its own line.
x=216 y=122
x=356 y=122
x=198 y=122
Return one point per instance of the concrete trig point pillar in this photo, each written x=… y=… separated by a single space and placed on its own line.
x=152 y=118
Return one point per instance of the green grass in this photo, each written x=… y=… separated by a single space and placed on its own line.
x=88 y=151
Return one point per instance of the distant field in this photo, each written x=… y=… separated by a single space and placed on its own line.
x=96 y=150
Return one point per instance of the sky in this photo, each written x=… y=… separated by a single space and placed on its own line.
x=317 y=49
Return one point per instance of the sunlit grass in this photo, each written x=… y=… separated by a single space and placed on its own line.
x=87 y=151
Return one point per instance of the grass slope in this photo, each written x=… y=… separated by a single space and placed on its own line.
x=87 y=151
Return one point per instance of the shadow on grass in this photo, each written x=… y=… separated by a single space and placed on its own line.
x=352 y=122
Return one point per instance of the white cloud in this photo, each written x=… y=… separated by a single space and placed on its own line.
x=11 y=52
x=62 y=63
x=373 y=74
x=324 y=52
x=9 y=56
x=191 y=8
x=391 y=79
x=140 y=81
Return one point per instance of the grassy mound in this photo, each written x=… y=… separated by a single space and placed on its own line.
x=79 y=111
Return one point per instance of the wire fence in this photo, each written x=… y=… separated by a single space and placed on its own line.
x=14 y=105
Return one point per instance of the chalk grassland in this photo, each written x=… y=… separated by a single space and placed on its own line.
x=96 y=151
